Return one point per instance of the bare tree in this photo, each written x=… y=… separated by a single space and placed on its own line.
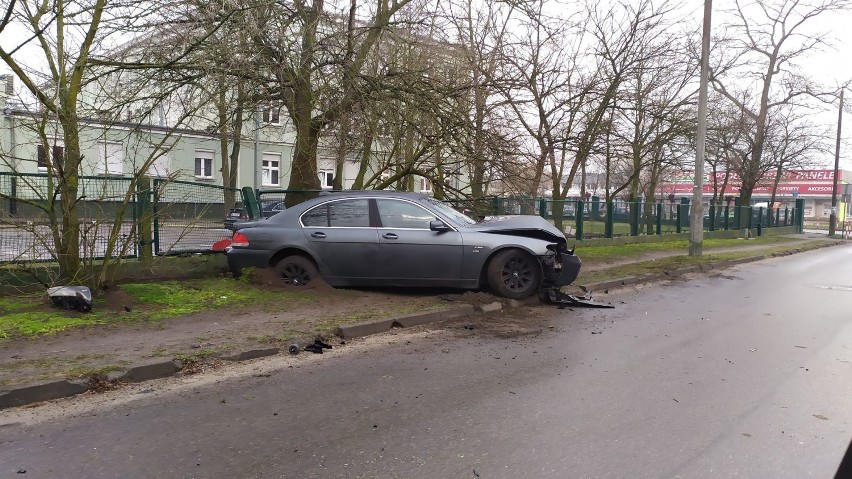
x=765 y=41
x=315 y=66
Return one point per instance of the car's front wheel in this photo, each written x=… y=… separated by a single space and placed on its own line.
x=297 y=270
x=514 y=274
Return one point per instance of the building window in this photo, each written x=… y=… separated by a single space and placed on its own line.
x=326 y=179
x=161 y=166
x=425 y=185
x=110 y=159
x=270 y=168
x=56 y=159
x=271 y=115
x=204 y=164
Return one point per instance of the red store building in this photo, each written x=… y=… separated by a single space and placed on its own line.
x=813 y=186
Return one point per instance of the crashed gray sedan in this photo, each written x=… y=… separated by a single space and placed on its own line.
x=379 y=238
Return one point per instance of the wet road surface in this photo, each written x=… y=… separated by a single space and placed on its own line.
x=747 y=373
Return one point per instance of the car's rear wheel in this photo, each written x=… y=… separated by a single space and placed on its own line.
x=297 y=270
x=514 y=274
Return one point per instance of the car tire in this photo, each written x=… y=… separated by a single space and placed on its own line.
x=514 y=274
x=297 y=271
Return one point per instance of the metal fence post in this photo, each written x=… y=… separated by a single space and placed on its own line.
x=542 y=207
x=727 y=217
x=145 y=217
x=251 y=202
x=610 y=219
x=786 y=215
x=679 y=223
x=659 y=219
x=799 y=215
x=712 y=214
x=579 y=219
x=737 y=213
x=155 y=211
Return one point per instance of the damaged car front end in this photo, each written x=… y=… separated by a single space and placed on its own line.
x=560 y=268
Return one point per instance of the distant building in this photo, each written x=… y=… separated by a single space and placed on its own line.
x=813 y=186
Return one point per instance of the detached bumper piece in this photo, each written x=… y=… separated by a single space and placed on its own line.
x=71 y=297
x=563 y=300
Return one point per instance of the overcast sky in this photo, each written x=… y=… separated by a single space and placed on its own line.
x=829 y=67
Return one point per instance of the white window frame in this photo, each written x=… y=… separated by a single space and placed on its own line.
x=271 y=115
x=326 y=178
x=425 y=185
x=204 y=158
x=267 y=169
x=110 y=158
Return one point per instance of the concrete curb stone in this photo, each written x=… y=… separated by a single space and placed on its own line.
x=490 y=307
x=430 y=317
x=251 y=354
x=41 y=392
x=152 y=370
x=358 y=330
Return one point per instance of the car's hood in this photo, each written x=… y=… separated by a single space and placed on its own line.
x=530 y=226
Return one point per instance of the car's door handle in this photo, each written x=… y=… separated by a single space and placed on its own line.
x=318 y=235
x=390 y=236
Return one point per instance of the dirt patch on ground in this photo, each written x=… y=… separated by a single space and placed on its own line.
x=99 y=349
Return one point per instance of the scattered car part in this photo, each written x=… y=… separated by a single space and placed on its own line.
x=71 y=297
x=317 y=346
x=294 y=349
x=563 y=300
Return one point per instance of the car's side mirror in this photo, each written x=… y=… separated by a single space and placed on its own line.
x=438 y=225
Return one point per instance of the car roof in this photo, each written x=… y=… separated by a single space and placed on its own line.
x=404 y=194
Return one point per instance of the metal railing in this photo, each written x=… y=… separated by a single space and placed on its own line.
x=158 y=216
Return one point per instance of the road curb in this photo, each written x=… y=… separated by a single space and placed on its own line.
x=430 y=317
x=40 y=392
x=366 y=328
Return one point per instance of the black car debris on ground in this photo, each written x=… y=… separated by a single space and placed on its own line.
x=380 y=238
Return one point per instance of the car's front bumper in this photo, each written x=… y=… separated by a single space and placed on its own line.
x=560 y=269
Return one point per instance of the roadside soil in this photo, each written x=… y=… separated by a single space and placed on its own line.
x=203 y=337
x=79 y=352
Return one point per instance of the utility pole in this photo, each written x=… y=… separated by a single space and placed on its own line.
x=832 y=219
x=696 y=226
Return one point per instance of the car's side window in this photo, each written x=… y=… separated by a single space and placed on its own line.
x=317 y=216
x=402 y=214
x=346 y=214
x=349 y=213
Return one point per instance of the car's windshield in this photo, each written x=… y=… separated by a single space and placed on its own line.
x=455 y=217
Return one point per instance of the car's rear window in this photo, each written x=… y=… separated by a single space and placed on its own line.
x=345 y=213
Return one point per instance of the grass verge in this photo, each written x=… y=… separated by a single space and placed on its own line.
x=32 y=315
x=684 y=261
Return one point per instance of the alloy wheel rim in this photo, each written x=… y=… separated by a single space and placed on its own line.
x=295 y=275
x=517 y=274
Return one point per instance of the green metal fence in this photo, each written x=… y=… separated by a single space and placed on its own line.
x=30 y=203
x=155 y=216
x=162 y=216
x=189 y=216
x=595 y=218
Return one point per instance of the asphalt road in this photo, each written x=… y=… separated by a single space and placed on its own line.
x=743 y=374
